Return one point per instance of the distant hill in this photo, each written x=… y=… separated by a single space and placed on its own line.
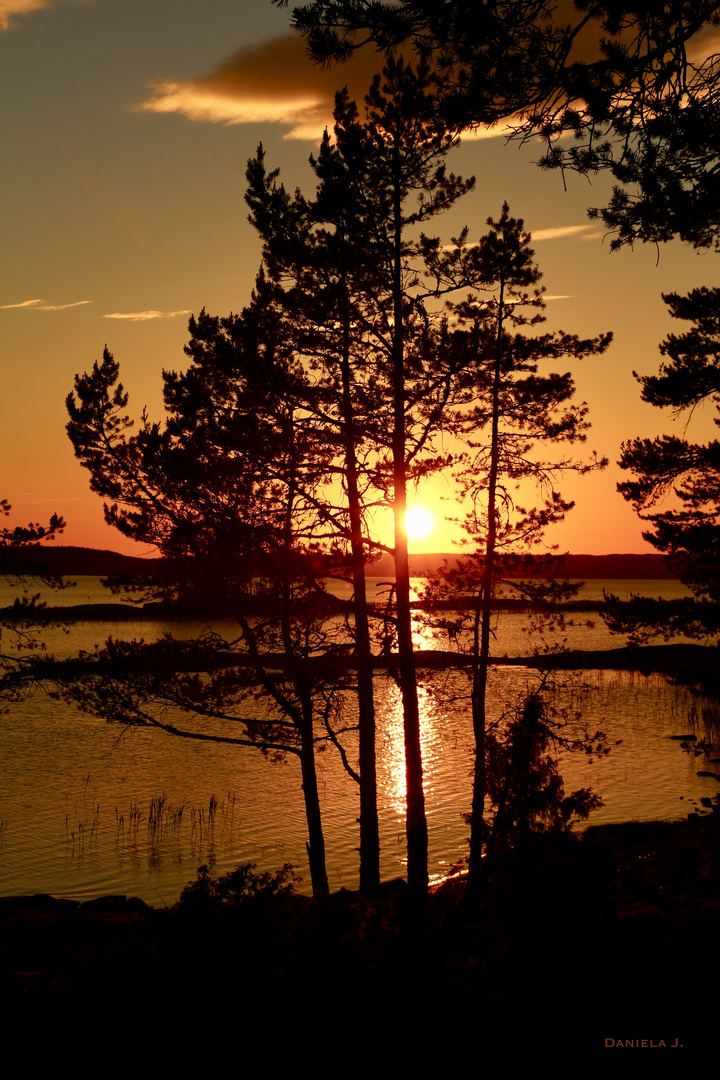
x=609 y=567
x=74 y=561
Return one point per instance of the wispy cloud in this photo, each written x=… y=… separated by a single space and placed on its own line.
x=40 y=305
x=25 y=303
x=274 y=83
x=61 y=307
x=557 y=232
x=11 y=8
x=268 y=83
x=141 y=316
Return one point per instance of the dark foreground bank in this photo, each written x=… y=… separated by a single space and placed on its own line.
x=582 y=946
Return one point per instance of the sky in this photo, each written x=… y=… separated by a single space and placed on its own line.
x=126 y=129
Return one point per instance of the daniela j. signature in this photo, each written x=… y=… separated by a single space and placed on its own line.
x=627 y=1043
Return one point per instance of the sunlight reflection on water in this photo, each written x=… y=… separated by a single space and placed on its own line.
x=76 y=801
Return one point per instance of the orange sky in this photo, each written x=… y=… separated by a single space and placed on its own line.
x=125 y=151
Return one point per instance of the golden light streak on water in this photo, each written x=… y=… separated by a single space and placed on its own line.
x=72 y=792
x=391 y=749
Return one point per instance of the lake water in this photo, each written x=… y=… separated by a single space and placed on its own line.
x=87 y=808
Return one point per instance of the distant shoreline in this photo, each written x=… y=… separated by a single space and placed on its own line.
x=95 y=562
x=151 y=611
x=695 y=663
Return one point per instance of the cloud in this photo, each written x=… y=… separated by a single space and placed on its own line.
x=40 y=305
x=8 y=8
x=273 y=82
x=25 y=303
x=11 y=8
x=268 y=83
x=134 y=316
x=141 y=316
x=61 y=307
x=557 y=232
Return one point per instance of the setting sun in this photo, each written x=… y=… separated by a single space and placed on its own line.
x=419 y=522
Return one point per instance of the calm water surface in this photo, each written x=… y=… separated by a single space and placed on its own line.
x=87 y=809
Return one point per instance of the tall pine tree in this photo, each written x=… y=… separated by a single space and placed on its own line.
x=225 y=490
x=361 y=275
x=513 y=412
x=675 y=484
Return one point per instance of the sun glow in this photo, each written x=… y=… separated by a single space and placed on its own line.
x=419 y=522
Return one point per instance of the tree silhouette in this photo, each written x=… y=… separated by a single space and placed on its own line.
x=225 y=491
x=525 y=785
x=309 y=252
x=628 y=88
x=510 y=415
x=408 y=185
x=357 y=278
x=688 y=531
x=295 y=420
x=20 y=565
x=338 y=377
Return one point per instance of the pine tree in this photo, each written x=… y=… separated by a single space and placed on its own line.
x=631 y=89
x=362 y=275
x=512 y=414
x=224 y=490
x=525 y=785
x=405 y=153
x=21 y=565
x=687 y=473
x=310 y=255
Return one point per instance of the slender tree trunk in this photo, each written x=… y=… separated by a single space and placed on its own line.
x=369 y=830
x=316 y=841
x=302 y=718
x=302 y=681
x=417 y=836
x=480 y=775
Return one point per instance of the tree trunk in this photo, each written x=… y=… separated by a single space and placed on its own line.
x=316 y=841
x=482 y=631
x=416 y=825
x=302 y=680
x=369 y=830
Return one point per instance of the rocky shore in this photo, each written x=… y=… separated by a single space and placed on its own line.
x=612 y=936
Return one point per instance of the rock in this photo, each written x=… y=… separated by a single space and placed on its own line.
x=115 y=905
